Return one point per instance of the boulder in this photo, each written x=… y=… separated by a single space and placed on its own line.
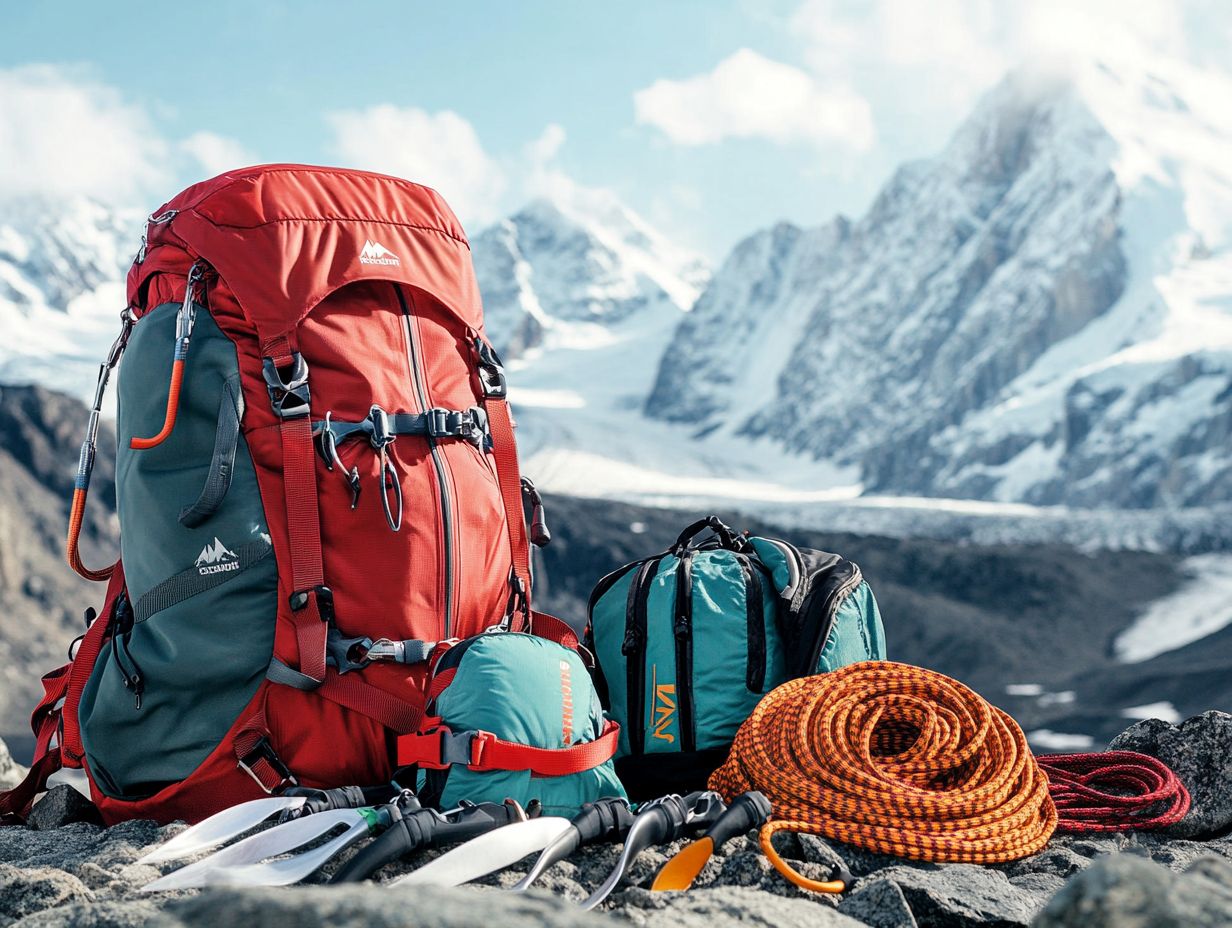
x=62 y=805
x=880 y=904
x=24 y=892
x=1199 y=750
x=1128 y=891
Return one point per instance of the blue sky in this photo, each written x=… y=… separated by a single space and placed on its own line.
x=710 y=118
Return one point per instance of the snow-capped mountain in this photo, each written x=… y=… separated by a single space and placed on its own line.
x=1040 y=313
x=569 y=269
x=62 y=266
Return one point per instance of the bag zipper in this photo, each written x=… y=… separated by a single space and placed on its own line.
x=633 y=649
x=832 y=603
x=755 y=612
x=437 y=459
x=121 y=631
x=683 y=629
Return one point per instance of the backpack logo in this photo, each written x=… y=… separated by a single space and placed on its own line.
x=376 y=253
x=664 y=707
x=216 y=559
x=566 y=694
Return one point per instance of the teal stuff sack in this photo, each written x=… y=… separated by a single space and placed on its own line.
x=687 y=642
x=513 y=716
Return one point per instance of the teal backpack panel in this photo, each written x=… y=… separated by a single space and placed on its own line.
x=727 y=651
x=522 y=689
x=197 y=625
x=687 y=642
x=858 y=634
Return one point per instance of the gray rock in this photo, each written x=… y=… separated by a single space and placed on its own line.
x=62 y=805
x=24 y=892
x=128 y=913
x=1199 y=750
x=879 y=903
x=964 y=896
x=1127 y=891
x=367 y=906
x=11 y=772
x=735 y=907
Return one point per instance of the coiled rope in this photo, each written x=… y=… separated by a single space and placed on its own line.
x=891 y=758
x=1114 y=791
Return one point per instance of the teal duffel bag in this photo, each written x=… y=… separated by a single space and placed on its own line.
x=686 y=643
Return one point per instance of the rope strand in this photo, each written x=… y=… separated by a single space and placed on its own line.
x=895 y=759
x=1114 y=791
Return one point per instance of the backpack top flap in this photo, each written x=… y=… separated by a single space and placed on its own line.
x=285 y=236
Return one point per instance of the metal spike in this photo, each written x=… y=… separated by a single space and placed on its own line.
x=488 y=853
x=287 y=870
x=221 y=827
x=272 y=842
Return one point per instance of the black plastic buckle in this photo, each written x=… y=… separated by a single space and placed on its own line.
x=325 y=601
x=289 y=395
x=382 y=432
x=438 y=422
x=491 y=371
x=264 y=751
x=346 y=654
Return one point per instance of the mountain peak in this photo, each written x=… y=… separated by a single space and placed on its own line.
x=577 y=259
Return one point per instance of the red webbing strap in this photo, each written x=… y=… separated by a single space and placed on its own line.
x=508 y=475
x=44 y=721
x=83 y=666
x=255 y=755
x=353 y=693
x=299 y=483
x=16 y=802
x=553 y=629
x=489 y=752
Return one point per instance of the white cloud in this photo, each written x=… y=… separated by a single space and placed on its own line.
x=440 y=149
x=64 y=133
x=545 y=148
x=750 y=96
x=215 y=154
x=941 y=55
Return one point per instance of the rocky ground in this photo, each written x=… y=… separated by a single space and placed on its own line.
x=65 y=871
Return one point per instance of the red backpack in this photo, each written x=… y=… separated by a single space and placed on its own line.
x=317 y=482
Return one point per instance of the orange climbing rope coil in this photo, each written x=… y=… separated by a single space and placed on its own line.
x=895 y=759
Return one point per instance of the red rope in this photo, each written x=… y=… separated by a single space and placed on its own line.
x=1114 y=791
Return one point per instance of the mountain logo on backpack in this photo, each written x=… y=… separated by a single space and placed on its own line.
x=216 y=559
x=376 y=253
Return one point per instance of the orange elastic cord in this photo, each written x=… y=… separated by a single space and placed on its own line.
x=173 y=402
x=766 y=837
x=76 y=517
x=894 y=759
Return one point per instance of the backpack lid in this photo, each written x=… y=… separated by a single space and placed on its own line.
x=285 y=236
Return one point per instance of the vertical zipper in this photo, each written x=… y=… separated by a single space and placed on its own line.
x=755 y=612
x=633 y=650
x=122 y=621
x=437 y=459
x=683 y=629
x=834 y=599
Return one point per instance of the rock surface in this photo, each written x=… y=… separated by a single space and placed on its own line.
x=1125 y=891
x=11 y=772
x=85 y=875
x=1199 y=750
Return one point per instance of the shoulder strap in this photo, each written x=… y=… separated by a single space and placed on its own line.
x=505 y=451
x=286 y=377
